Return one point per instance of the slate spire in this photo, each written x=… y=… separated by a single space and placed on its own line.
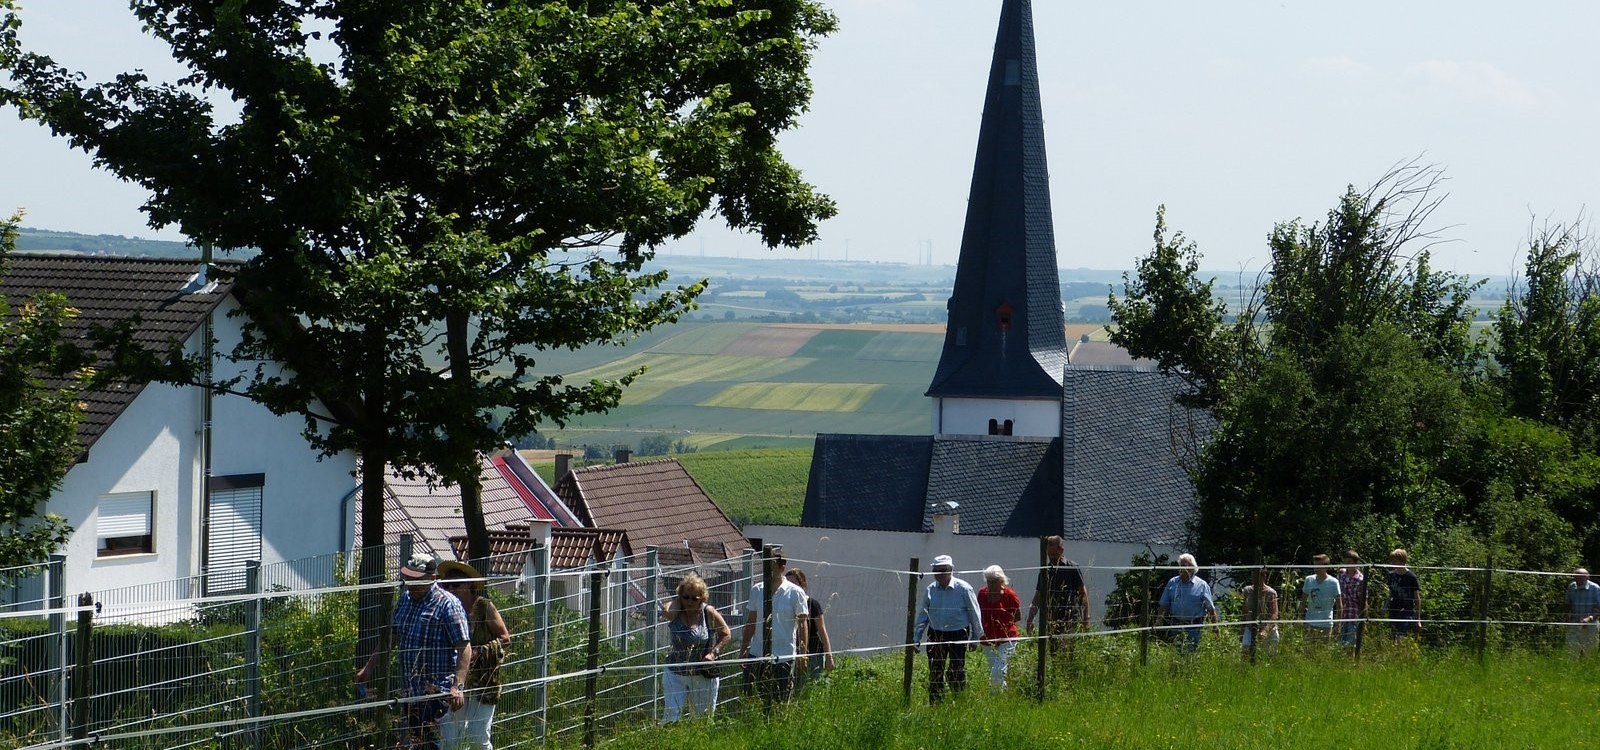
x=1004 y=337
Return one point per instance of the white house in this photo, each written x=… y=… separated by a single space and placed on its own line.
x=158 y=494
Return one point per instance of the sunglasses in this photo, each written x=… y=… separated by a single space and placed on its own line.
x=690 y=598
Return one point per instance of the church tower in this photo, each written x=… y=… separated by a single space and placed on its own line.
x=1004 y=346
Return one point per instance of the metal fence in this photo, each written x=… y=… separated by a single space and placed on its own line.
x=159 y=666
x=162 y=666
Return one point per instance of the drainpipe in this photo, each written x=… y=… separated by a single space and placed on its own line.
x=206 y=397
x=344 y=515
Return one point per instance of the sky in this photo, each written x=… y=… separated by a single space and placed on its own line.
x=1235 y=115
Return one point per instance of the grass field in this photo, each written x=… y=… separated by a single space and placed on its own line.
x=1415 y=701
x=843 y=397
x=758 y=480
x=753 y=486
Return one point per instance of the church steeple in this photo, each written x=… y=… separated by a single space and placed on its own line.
x=1004 y=338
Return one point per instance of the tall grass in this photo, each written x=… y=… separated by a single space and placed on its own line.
x=1397 y=699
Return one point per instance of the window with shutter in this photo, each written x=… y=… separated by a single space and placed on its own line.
x=123 y=524
x=233 y=531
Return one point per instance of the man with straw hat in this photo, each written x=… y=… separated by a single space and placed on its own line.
x=949 y=622
x=430 y=628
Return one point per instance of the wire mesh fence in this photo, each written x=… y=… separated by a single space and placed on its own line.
x=163 y=666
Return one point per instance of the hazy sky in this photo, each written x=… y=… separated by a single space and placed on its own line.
x=1235 y=115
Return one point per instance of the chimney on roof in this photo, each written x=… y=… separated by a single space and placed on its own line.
x=563 y=466
x=946 y=521
x=624 y=455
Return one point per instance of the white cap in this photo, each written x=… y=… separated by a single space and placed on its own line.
x=944 y=560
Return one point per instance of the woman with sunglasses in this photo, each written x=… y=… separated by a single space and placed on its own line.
x=698 y=635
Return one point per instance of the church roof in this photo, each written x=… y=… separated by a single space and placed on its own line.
x=1005 y=336
x=1126 y=443
x=1117 y=476
x=868 y=482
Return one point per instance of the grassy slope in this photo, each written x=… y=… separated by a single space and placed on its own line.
x=766 y=485
x=753 y=486
x=1426 y=702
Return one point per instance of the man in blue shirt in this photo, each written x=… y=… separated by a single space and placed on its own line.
x=1583 y=608
x=949 y=623
x=1186 y=600
x=434 y=650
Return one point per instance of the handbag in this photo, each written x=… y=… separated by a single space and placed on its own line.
x=712 y=670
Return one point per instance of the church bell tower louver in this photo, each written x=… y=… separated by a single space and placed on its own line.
x=1005 y=348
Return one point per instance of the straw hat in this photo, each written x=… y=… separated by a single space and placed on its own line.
x=457 y=569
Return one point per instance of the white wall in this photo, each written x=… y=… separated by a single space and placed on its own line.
x=155 y=445
x=970 y=416
x=865 y=607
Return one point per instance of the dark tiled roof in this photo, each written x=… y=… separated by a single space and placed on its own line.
x=868 y=482
x=1123 y=469
x=1004 y=486
x=107 y=290
x=1008 y=253
x=656 y=502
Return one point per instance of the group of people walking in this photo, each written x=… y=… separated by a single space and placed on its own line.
x=800 y=650
x=450 y=640
x=953 y=619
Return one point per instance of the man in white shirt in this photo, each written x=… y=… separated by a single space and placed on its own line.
x=774 y=677
x=1322 y=604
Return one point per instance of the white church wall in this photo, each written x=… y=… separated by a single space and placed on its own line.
x=970 y=416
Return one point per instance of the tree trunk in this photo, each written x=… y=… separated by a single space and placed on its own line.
x=469 y=482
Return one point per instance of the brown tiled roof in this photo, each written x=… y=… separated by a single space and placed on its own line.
x=432 y=515
x=656 y=502
x=107 y=290
x=570 y=548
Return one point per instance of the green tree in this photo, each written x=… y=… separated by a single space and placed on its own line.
x=1167 y=314
x=1547 y=336
x=1341 y=389
x=438 y=190
x=40 y=375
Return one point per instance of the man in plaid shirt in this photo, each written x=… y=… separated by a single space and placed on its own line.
x=434 y=650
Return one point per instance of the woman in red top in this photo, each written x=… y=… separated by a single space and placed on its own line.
x=1001 y=609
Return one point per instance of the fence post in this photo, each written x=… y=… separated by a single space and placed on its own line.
x=652 y=595
x=911 y=625
x=1483 y=609
x=1144 y=616
x=1366 y=609
x=541 y=636
x=1042 y=646
x=1255 y=611
x=56 y=599
x=741 y=589
x=252 y=646
x=591 y=681
x=80 y=670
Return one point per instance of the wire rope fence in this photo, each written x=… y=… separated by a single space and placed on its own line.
x=176 y=664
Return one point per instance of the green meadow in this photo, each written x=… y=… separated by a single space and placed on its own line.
x=1399 y=701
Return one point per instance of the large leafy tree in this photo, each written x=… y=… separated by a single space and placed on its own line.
x=40 y=373
x=440 y=189
x=1339 y=390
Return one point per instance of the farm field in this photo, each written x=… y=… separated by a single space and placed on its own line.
x=732 y=384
